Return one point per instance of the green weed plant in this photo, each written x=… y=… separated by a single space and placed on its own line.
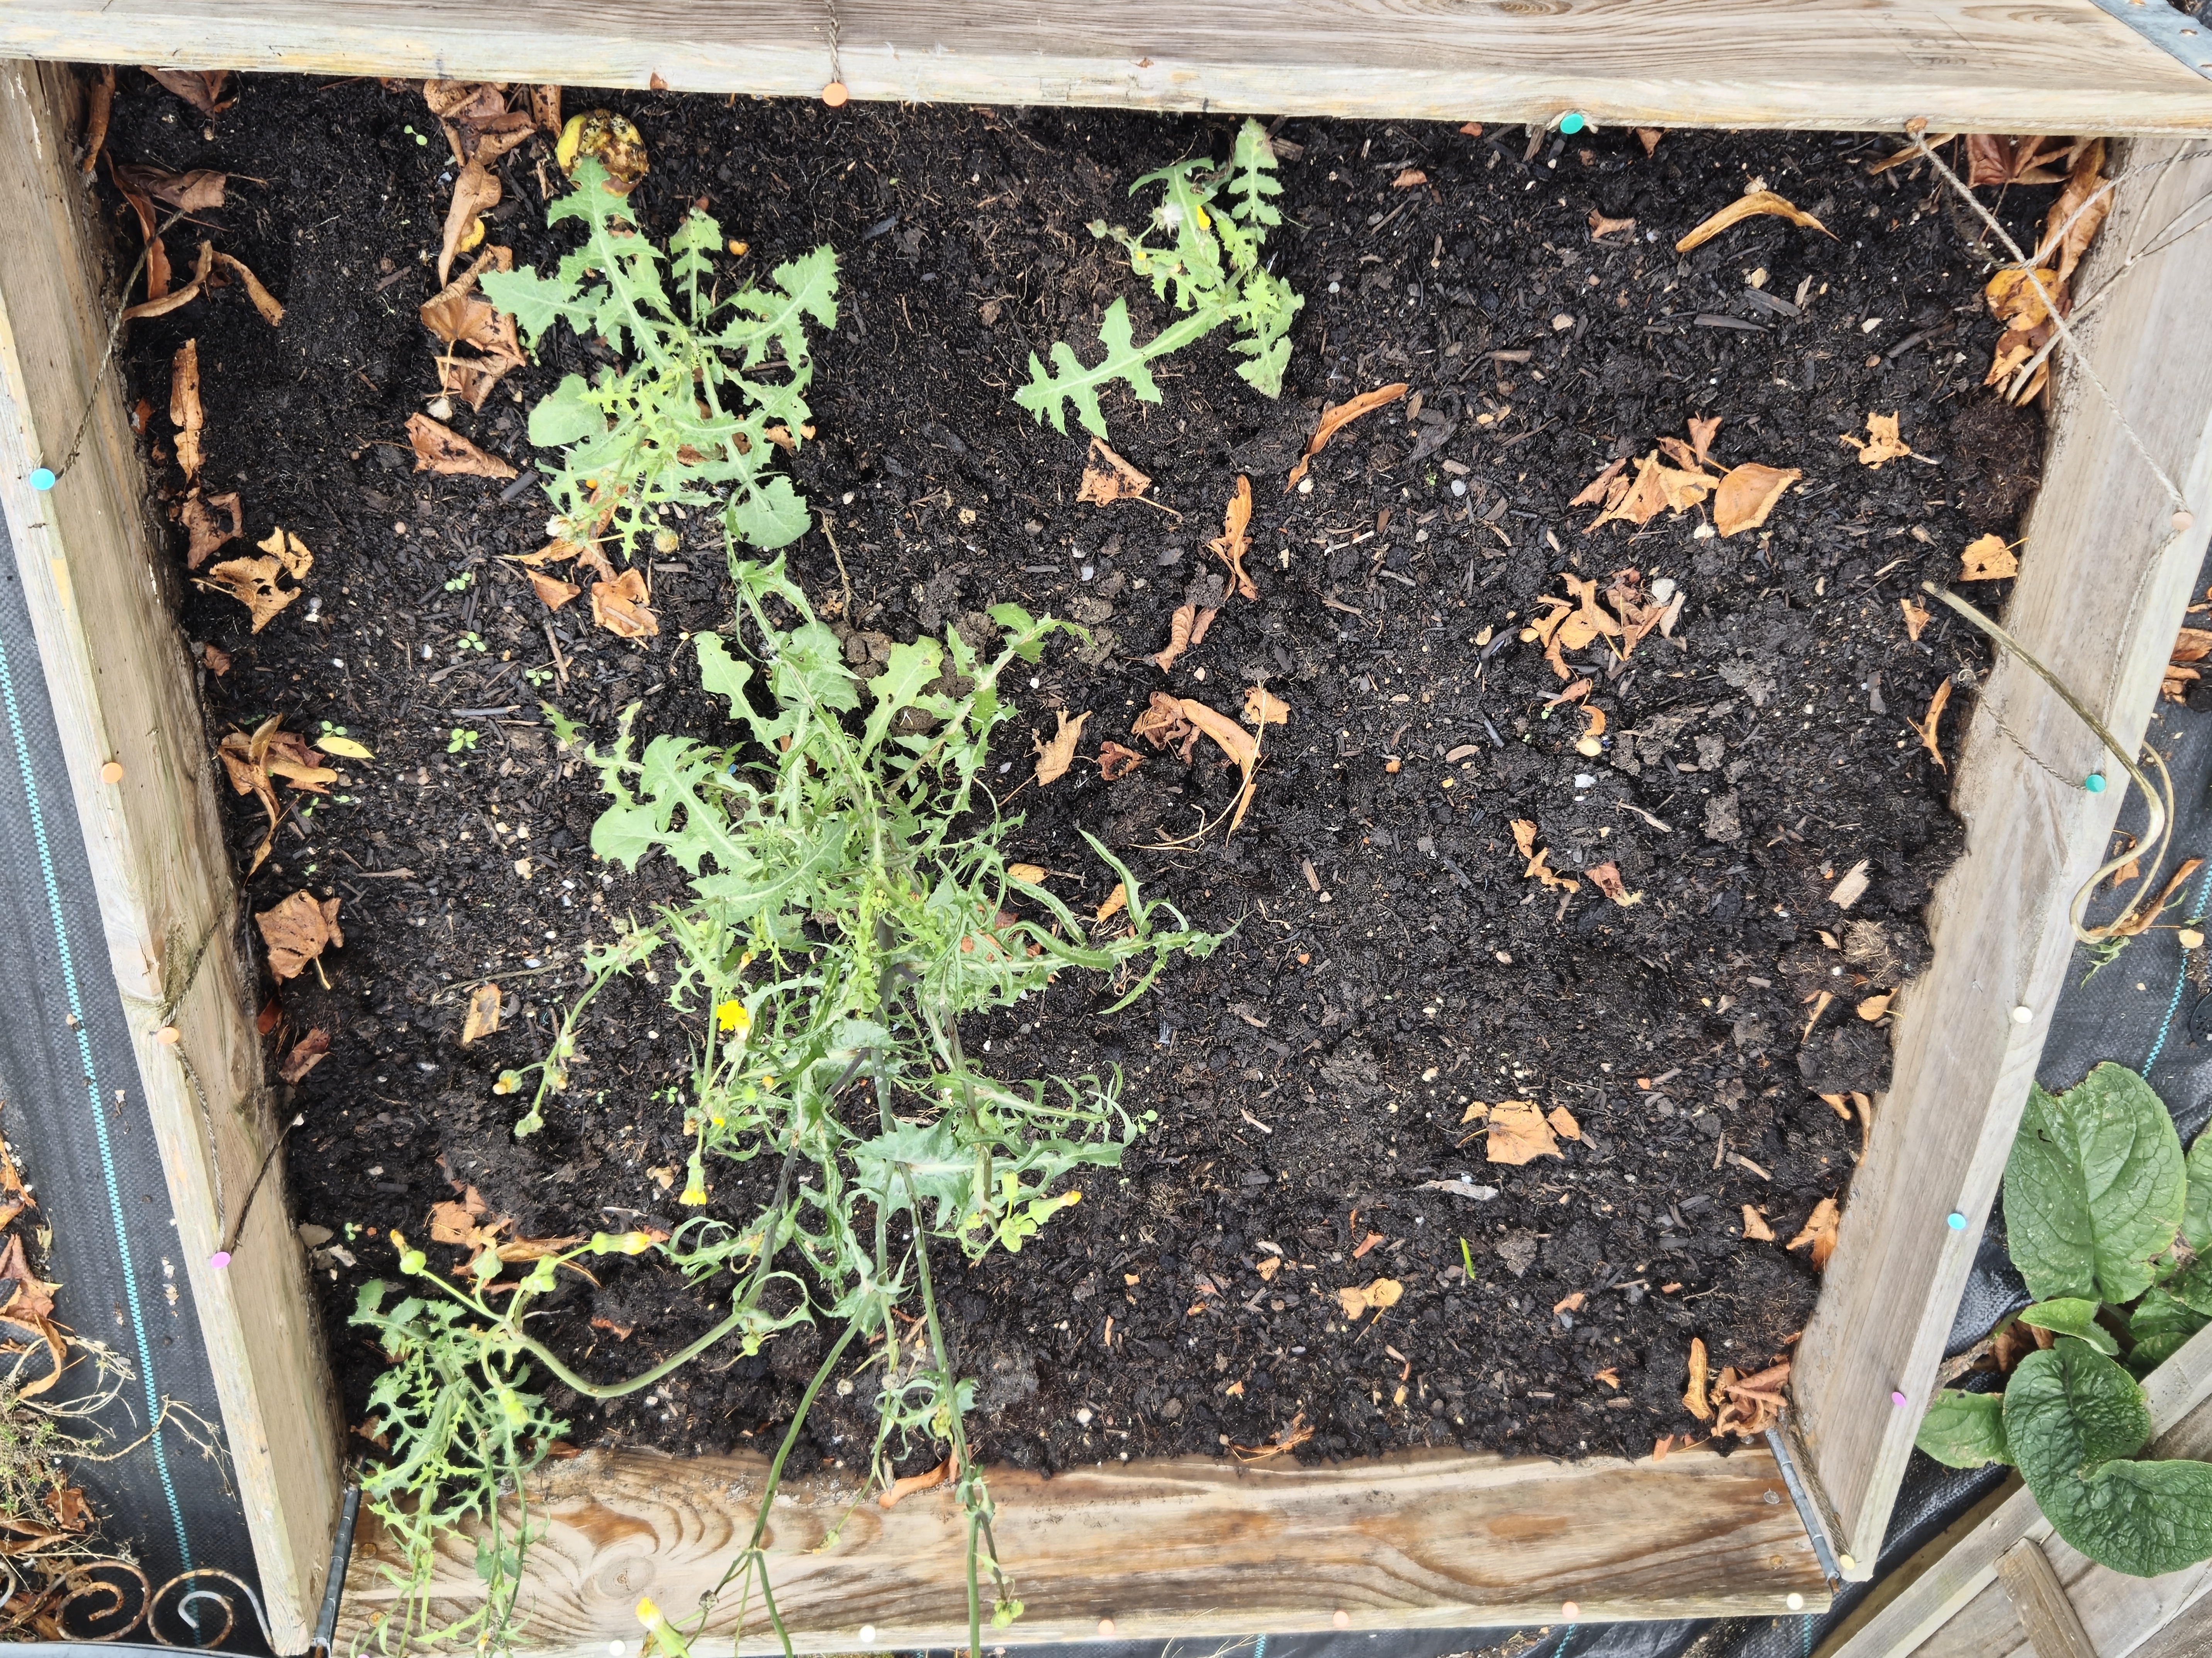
x=849 y=904
x=1210 y=271
x=712 y=384
x=2112 y=1227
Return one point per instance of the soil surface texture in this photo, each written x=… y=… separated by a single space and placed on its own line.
x=1392 y=965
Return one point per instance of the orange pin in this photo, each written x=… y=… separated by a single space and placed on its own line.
x=834 y=94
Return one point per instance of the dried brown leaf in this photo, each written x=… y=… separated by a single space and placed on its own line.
x=310 y=1051
x=907 y=1484
x=1594 y=492
x=185 y=411
x=33 y=1298
x=1116 y=902
x=1819 y=1232
x=1703 y=430
x=619 y=607
x=475 y=191
x=1986 y=558
x=1606 y=877
x=1234 y=741
x=1335 y=418
x=100 y=105
x=254 y=582
x=2069 y=241
x=1563 y=1123
x=1880 y=443
x=1232 y=545
x=1355 y=1299
x=1749 y=206
x=1519 y=1134
x=482 y=1016
x=552 y=591
x=1116 y=761
x=1054 y=757
x=1185 y=628
x=1926 y=728
x=201 y=89
x=1115 y=481
x=264 y=301
x=1992 y=159
x=441 y=449
x=297 y=929
x=1262 y=707
x=545 y=109
x=1756 y=1229
x=1408 y=178
x=1693 y=1397
x=1600 y=226
x=1915 y=617
x=1748 y=493
x=1161 y=721
x=204 y=530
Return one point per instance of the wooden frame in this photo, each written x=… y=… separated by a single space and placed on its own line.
x=2105 y=577
x=1957 y=1597
x=130 y=718
x=1964 y=66
x=1201 y=1547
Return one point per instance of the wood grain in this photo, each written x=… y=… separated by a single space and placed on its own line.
x=2104 y=580
x=1951 y=1605
x=2039 y=1600
x=1966 y=65
x=115 y=667
x=1187 y=1548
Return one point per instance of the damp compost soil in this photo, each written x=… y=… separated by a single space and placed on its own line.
x=1391 y=964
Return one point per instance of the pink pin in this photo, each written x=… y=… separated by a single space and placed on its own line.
x=1570 y=1610
x=1897 y=1397
x=1106 y=1628
x=220 y=1258
x=1342 y=1620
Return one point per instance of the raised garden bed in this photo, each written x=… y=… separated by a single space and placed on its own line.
x=1298 y=1073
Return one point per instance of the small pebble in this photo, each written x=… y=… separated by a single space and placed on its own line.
x=1305 y=486
x=1459 y=486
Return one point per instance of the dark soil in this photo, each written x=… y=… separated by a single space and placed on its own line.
x=1391 y=963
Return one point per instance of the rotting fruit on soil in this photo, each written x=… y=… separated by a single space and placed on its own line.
x=1575 y=862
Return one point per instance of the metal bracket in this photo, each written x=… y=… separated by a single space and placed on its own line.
x=2187 y=40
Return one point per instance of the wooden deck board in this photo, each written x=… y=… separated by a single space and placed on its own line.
x=1969 y=65
x=115 y=666
x=2104 y=580
x=1194 y=1548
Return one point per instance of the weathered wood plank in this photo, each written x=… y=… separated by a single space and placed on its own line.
x=1955 y=1608
x=2039 y=1600
x=116 y=669
x=1970 y=65
x=1184 y=1548
x=2104 y=580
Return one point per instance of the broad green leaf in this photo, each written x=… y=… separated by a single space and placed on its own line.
x=772 y=516
x=2197 y=1213
x=1124 y=360
x=2071 y=1418
x=723 y=675
x=2152 y=1352
x=2072 y=1316
x=2095 y=1188
x=568 y=414
x=908 y=669
x=1963 y=1431
x=2193 y=1288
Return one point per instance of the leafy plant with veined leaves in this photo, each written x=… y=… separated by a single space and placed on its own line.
x=1210 y=272
x=2112 y=1227
x=714 y=386
x=849 y=904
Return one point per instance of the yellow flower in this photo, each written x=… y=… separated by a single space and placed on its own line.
x=648 y=1614
x=732 y=1016
x=768 y=1079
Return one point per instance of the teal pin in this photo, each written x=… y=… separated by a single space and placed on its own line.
x=1572 y=122
x=2095 y=782
x=42 y=479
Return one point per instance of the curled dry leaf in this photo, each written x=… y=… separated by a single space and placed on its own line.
x=1874 y=1006
x=170 y=299
x=1703 y=429
x=256 y=582
x=1606 y=877
x=1986 y=558
x=1335 y=418
x=1693 y=1397
x=100 y=105
x=1600 y=226
x=1116 y=761
x=297 y=930
x=1572 y=1304
x=2076 y=217
x=1032 y=873
x=1756 y=1229
x=185 y=411
x=460 y=316
x=482 y=1016
x=1232 y=545
x=264 y=301
x=215 y=660
x=310 y=1051
x=1524 y=838
x=1818 y=1232
x=1926 y=728
x=906 y=1484
x=554 y=591
x=1116 y=900
x=1234 y=741
x=1563 y=1123
x=1355 y=1299
x=1262 y=707
x=196 y=191
x=1408 y=178
x=1649 y=137
x=1186 y=628
x=1993 y=159
x=1748 y=493
x=31 y=1297
x=1880 y=443
x=1053 y=758
x=1595 y=492
x=1750 y=206
x=1115 y=481
x=1161 y=721
x=475 y=192
x=1915 y=617
x=545 y=109
x=204 y=530
x=1519 y=1133
x=441 y=449
x=202 y=89
x=619 y=606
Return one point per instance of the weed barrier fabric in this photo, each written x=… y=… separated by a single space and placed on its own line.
x=2150 y=1010
x=74 y=1111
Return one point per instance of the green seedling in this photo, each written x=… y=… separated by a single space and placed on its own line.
x=1209 y=272
x=2110 y=1227
x=713 y=386
x=1467 y=1260
x=471 y=641
x=460 y=583
x=849 y=905
x=461 y=739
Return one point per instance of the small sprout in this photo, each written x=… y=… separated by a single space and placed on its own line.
x=461 y=739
